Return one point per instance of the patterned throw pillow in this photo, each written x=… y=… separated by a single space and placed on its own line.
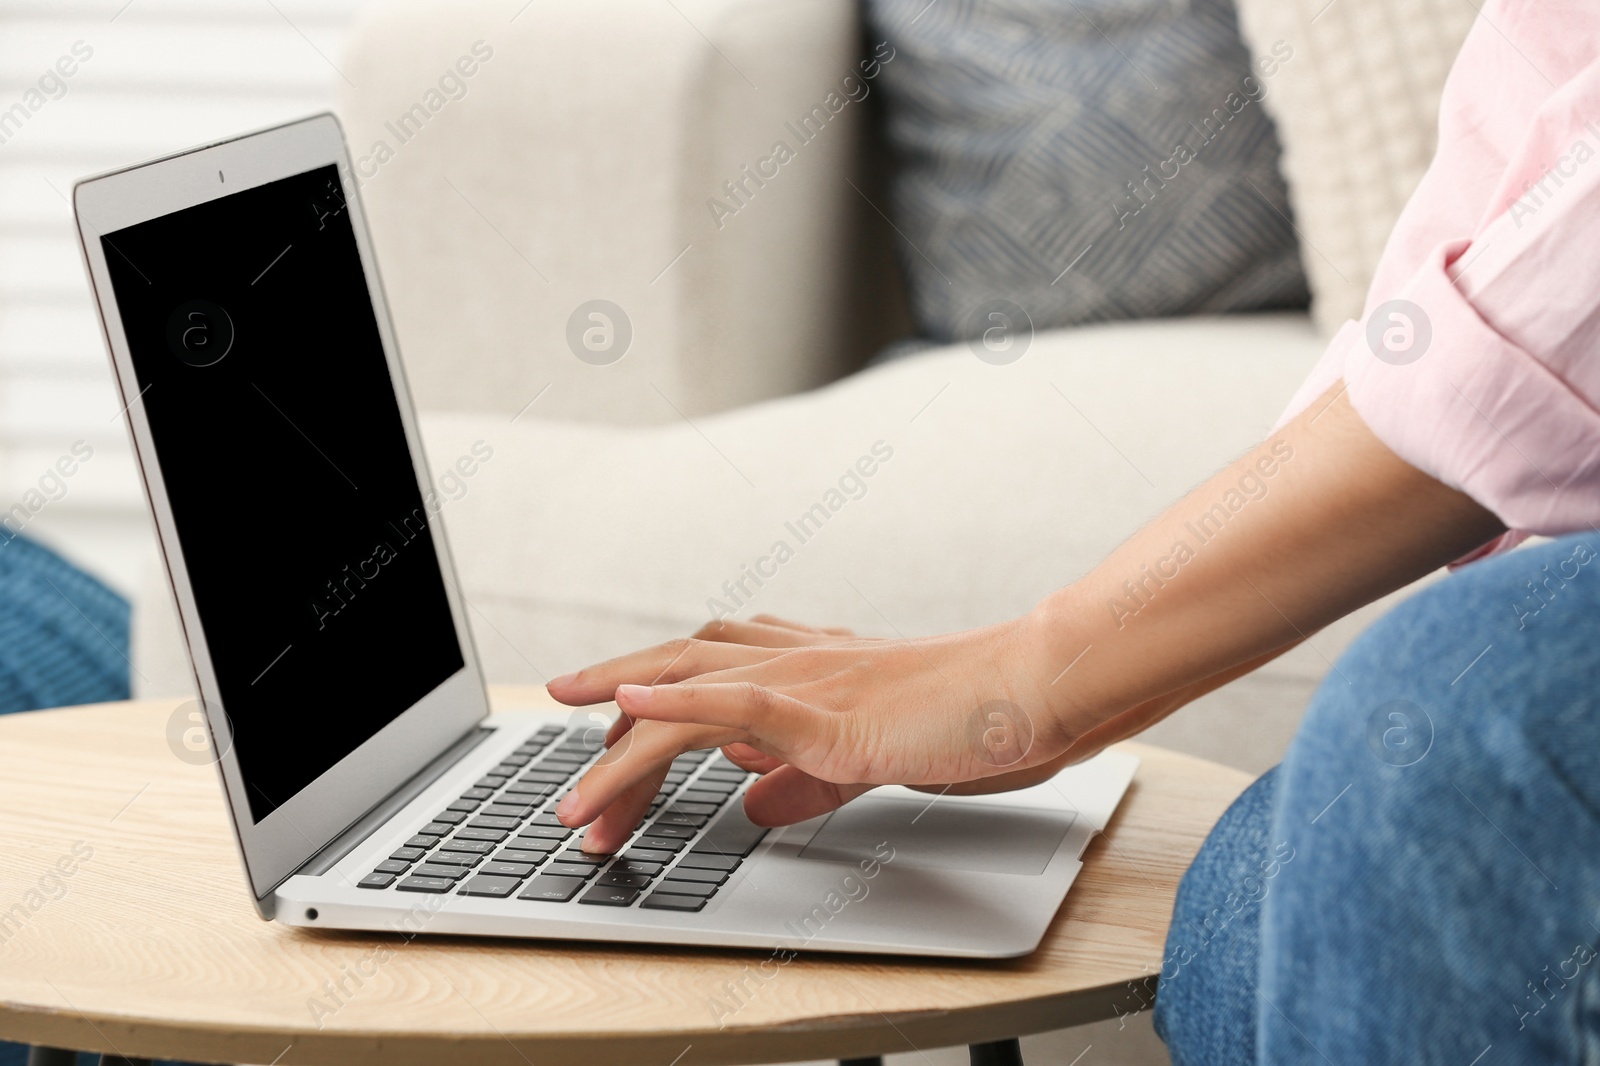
x=1084 y=160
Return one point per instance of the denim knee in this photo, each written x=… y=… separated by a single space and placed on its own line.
x=1205 y=1005
x=1444 y=783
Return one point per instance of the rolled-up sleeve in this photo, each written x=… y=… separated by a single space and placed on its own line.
x=1477 y=359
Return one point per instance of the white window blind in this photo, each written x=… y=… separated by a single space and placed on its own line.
x=147 y=78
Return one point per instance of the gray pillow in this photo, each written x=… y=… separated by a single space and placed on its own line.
x=1086 y=160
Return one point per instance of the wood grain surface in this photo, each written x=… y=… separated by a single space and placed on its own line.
x=125 y=926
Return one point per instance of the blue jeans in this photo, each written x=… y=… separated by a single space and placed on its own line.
x=1419 y=880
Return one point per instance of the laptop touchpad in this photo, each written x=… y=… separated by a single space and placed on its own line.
x=948 y=834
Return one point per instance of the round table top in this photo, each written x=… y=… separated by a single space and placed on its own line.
x=126 y=927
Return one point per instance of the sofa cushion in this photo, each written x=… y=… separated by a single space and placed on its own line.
x=1358 y=113
x=1085 y=160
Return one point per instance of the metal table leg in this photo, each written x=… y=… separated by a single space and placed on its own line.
x=51 y=1056
x=999 y=1053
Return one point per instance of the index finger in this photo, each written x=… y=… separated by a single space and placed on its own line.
x=644 y=751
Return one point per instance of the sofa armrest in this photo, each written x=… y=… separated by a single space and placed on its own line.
x=577 y=161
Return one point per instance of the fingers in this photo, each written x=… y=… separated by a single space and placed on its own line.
x=666 y=663
x=618 y=730
x=788 y=795
x=753 y=759
x=776 y=724
x=617 y=822
x=759 y=634
x=643 y=756
x=774 y=620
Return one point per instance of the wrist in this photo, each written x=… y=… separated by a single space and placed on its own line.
x=1066 y=651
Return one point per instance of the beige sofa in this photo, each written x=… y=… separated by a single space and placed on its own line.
x=626 y=503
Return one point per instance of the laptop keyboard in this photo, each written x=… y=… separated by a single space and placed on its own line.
x=501 y=839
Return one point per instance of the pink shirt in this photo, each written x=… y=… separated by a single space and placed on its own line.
x=1486 y=373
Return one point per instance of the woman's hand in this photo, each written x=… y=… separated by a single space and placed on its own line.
x=1308 y=526
x=823 y=714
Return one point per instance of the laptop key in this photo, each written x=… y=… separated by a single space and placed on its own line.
x=551 y=777
x=422 y=841
x=507 y=810
x=548 y=832
x=699 y=860
x=667 y=829
x=555 y=889
x=520 y=857
x=515 y=759
x=494 y=821
x=689 y=888
x=692 y=821
x=697 y=795
x=545 y=818
x=426 y=884
x=646 y=855
x=477 y=847
x=527 y=843
x=391 y=866
x=465 y=805
x=472 y=832
x=455 y=858
x=407 y=854
x=655 y=843
x=570 y=869
x=734 y=834
x=376 y=879
x=667 y=901
x=435 y=829
x=632 y=866
x=690 y=873
x=429 y=869
x=610 y=896
x=450 y=817
x=575 y=855
x=490 y=885
x=680 y=807
x=491 y=781
x=533 y=789
x=479 y=794
x=713 y=785
x=519 y=870
x=620 y=880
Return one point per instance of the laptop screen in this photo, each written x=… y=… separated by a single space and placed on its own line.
x=296 y=503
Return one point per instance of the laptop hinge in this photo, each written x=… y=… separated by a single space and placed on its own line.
x=390 y=805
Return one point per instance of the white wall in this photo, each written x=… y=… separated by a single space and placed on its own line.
x=163 y=75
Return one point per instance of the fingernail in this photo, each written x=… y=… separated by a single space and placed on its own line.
x=564 y=679
x=638 y=695
x=568 y=805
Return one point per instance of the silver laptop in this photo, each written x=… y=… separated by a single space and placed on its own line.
x=369 y=784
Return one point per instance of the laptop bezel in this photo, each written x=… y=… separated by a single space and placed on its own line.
x=284 y=840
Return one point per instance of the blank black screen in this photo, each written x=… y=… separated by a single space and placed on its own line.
x=278 y=436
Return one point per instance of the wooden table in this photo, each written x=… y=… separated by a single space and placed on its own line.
x=125 y=927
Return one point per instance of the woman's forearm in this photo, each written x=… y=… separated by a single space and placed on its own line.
x=1318 y=520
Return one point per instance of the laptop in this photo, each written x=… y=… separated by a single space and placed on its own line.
x=369 y=784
